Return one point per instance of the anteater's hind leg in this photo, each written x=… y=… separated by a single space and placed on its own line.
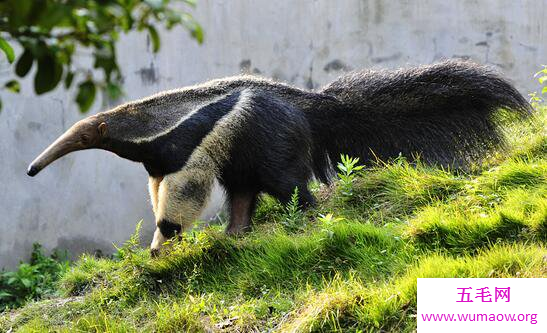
x=283 y=184
x=282 y=181
x=305 y=198
x=242 y=205
x=284 y=191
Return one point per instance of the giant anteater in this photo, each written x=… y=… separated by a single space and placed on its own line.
x=254 y=135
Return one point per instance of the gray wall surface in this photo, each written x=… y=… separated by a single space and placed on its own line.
x=89 y=200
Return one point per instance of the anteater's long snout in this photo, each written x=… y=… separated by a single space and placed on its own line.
x=85 y=134
x=65 y=144
x=32 y=170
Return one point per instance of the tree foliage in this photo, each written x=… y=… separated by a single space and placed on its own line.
x=51 y=31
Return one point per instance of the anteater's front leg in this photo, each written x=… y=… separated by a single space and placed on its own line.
x=181 y=197
x=153 y=189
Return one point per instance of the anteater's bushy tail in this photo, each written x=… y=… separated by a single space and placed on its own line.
x=444 y=113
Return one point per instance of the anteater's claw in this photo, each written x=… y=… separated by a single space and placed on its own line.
x=154 y=253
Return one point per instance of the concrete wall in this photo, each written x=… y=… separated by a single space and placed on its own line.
x=91 y=199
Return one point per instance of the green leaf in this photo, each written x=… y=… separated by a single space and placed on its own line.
x=21 y=9
x=86 y=95
x=13 y=86
x=68 y=79
x=8 y=50
x=154 y=37
x=105 y=58
x=542 y=79
x=173 y=19
x=114 y=91
x=26 y=282
x=197 y=33
x=49 y=74
x=544 y=90
x=54 y=15
x=24 y=63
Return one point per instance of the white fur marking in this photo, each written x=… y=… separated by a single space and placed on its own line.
x=158 y=240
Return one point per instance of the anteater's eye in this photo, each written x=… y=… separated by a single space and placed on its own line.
x=85 y=138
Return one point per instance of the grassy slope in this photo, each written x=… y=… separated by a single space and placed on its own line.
x=356 y=273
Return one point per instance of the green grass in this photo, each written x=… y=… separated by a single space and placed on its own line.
x=353 y=270
x=33 y=280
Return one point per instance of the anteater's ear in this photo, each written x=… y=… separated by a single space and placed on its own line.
x=102 y=129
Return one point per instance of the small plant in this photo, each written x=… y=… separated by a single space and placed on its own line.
x=536 y=99
x=130 y=246
x=328 y=220
x=293 y=216
x=33 y=280
x=348 y=172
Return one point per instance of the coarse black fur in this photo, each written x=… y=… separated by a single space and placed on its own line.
x=443 y=113
x=271 y=151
